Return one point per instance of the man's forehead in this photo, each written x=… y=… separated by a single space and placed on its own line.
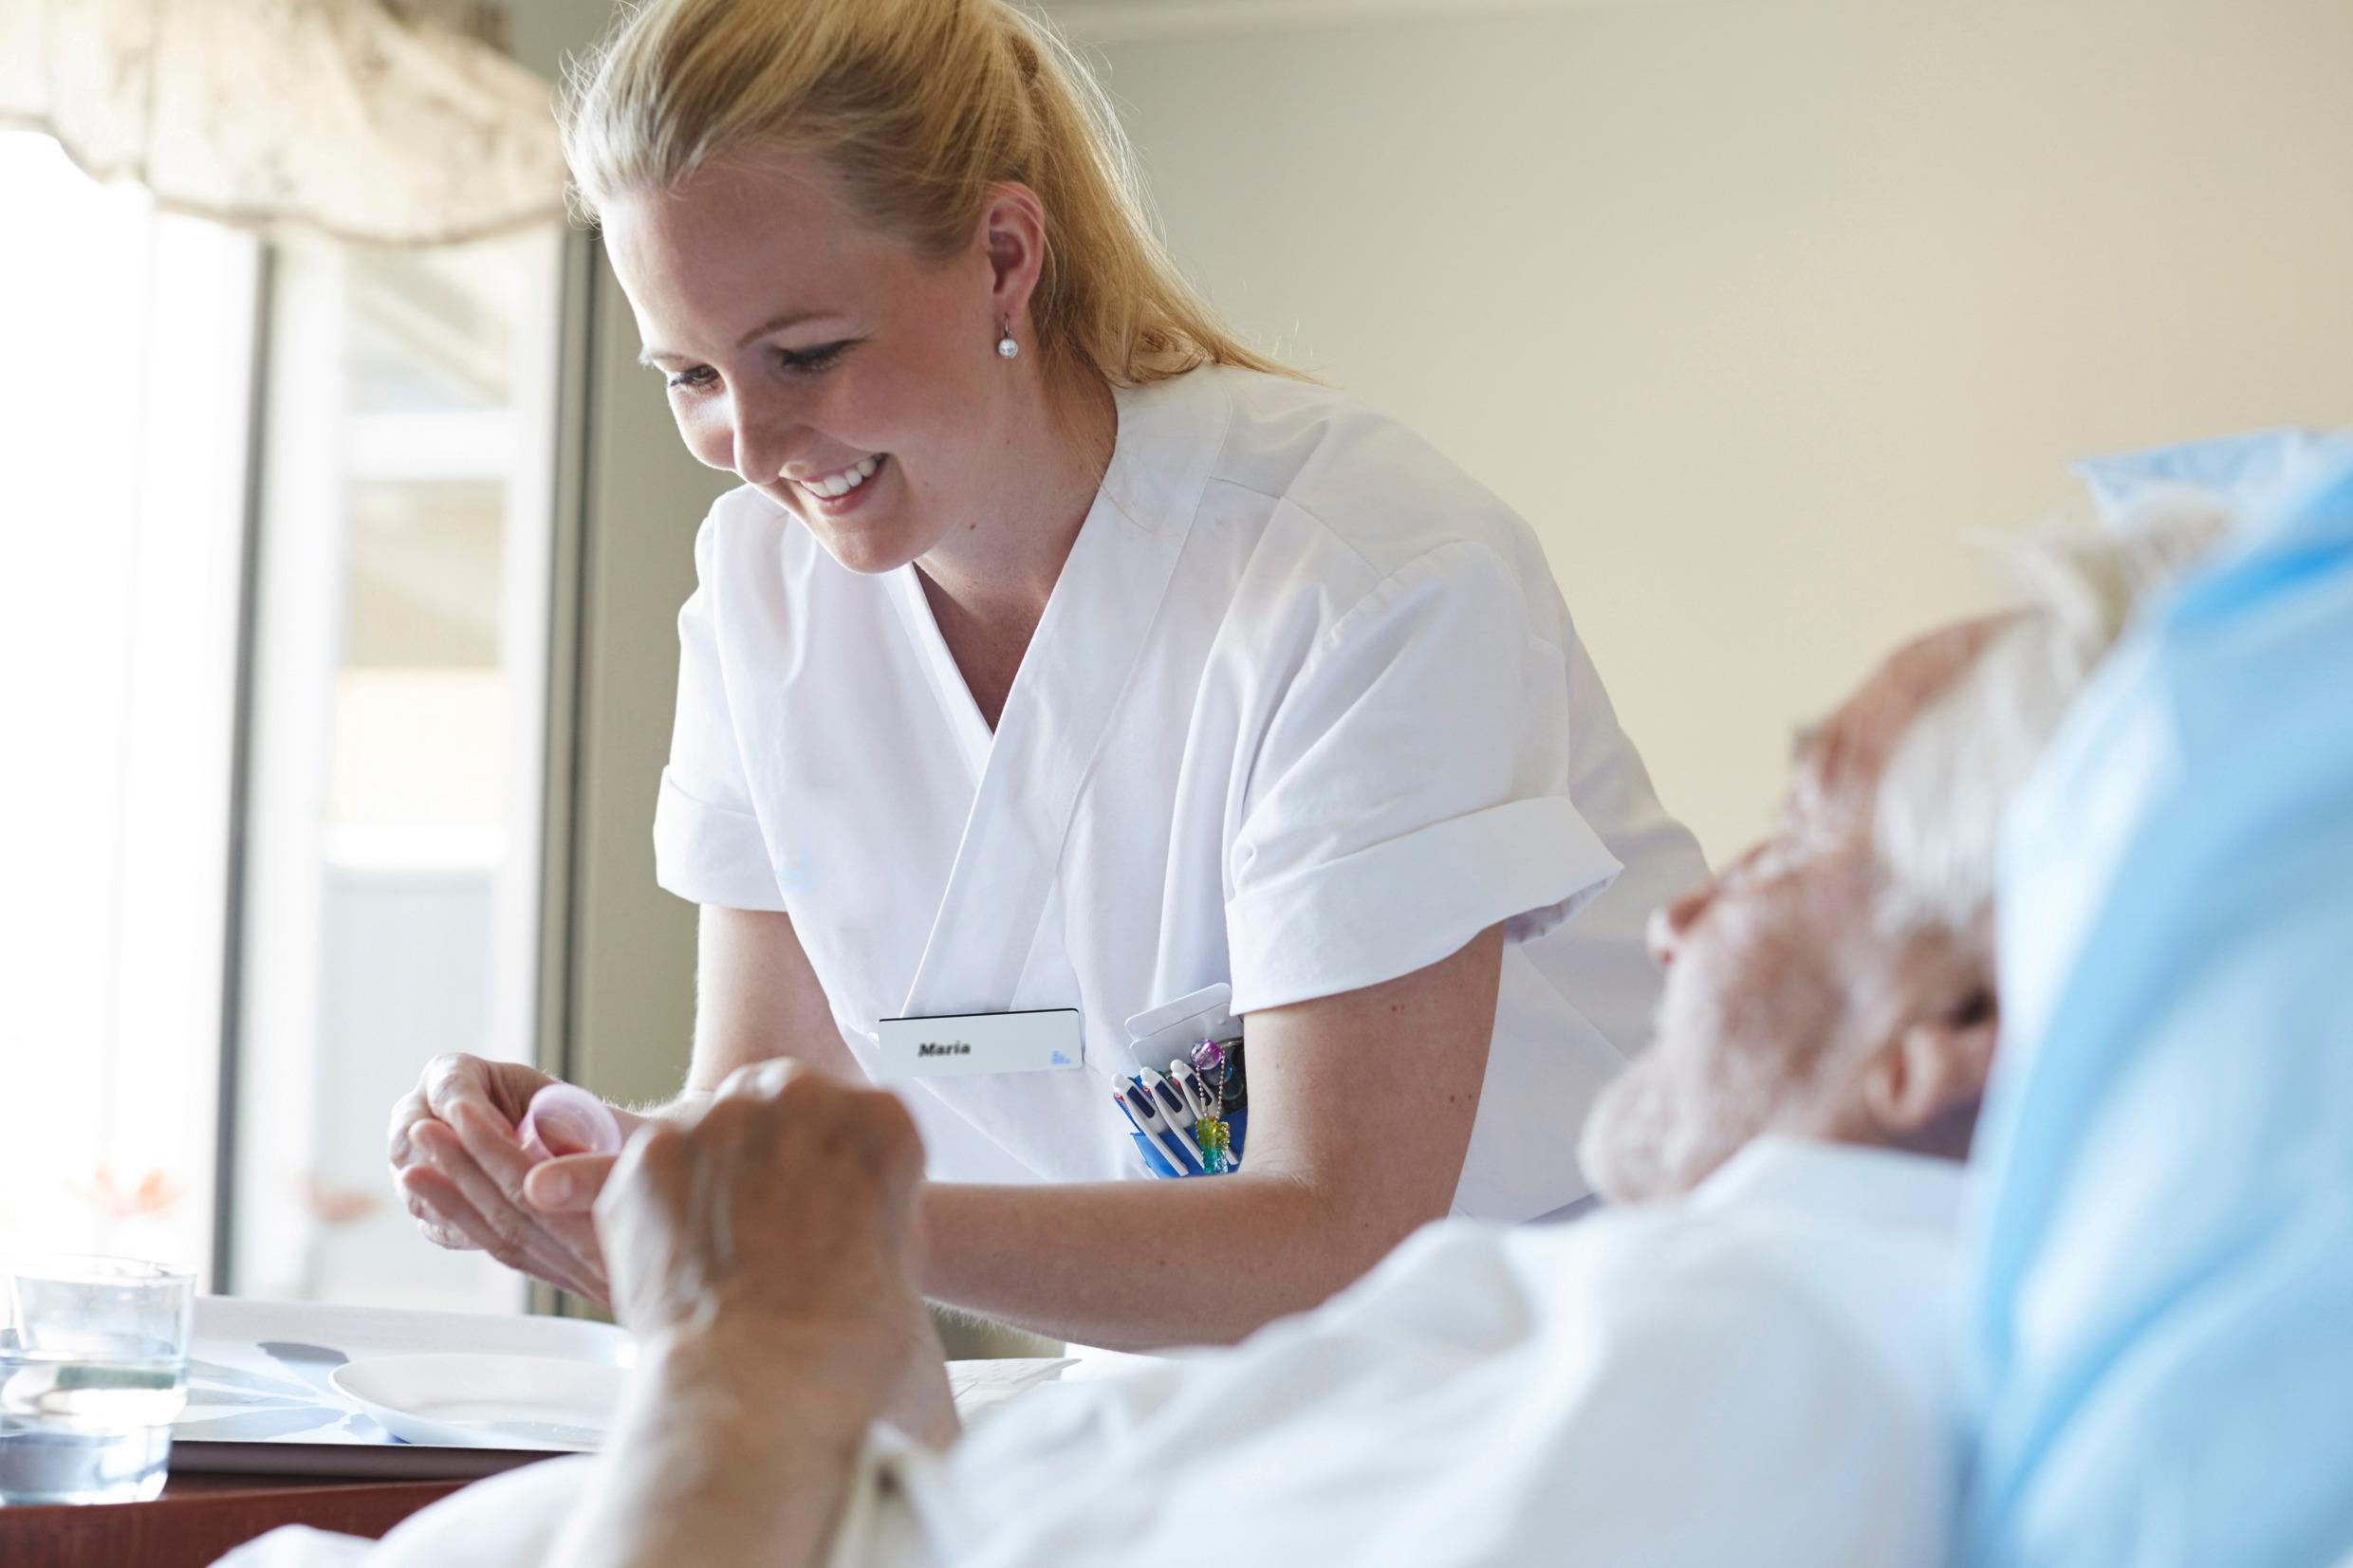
x=1836 y=763
x=1810 y=803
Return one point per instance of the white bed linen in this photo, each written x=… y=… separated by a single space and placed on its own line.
x=1759 y=1375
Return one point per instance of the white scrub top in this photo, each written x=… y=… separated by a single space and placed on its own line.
x=1305 y=712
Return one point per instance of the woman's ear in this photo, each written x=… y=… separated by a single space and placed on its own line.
x=1934 y=1071
x=1012 y=236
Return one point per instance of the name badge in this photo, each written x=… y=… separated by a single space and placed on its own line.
x=960 y=1044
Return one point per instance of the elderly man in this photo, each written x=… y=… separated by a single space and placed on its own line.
x=1746 y=1361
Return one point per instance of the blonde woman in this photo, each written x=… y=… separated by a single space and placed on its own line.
x=1061 y=659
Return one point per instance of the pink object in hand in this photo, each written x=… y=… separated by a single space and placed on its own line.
x=566 y=1119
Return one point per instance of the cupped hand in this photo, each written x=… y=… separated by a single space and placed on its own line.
x=464 y=1176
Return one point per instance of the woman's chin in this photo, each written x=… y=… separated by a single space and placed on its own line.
x=862 y=546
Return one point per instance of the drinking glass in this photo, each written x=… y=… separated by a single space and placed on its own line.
x=93 y=1367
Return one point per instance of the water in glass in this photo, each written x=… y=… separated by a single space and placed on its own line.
x=93 y=1368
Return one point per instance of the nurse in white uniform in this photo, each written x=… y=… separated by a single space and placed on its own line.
x=1060 y=658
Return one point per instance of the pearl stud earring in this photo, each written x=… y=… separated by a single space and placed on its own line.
x=1006 y=347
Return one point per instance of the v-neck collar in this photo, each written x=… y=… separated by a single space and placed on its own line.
x=1165 y=437
x=963 y=715
x=1098 y=621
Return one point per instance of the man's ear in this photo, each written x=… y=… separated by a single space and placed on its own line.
x=1934 y=1073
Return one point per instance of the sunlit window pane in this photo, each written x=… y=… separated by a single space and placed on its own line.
x=129 y=337
x=392 y=871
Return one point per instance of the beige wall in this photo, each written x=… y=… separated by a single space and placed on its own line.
x=1755 y=308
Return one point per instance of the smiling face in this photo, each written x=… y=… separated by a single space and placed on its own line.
x=827 y=363
x=1789 y=1006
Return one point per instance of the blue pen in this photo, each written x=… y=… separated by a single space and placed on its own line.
x=1175 y=1111
x=1152 y=1125
x=1139 y=1115
x=1199 y=1096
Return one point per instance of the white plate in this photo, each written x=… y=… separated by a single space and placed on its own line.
x=486 y=1401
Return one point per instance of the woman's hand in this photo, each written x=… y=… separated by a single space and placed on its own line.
x=780 y=1227
x=462 y=1172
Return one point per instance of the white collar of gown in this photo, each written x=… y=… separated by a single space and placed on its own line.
x=1881 y=1185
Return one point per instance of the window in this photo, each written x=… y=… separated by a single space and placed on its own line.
x=392 y=850
x=379 y=902
x=121 y=503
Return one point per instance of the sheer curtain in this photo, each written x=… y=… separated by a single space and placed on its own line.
x=394 y=125
x=122 y=416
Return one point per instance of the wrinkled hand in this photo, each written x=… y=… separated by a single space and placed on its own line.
x=783 y=1222
x=465 y=1179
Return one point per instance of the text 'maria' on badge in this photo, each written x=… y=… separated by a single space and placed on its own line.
x=963 y=1044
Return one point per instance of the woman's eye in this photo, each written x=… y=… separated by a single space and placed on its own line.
x=819 y=357
x=799 y=360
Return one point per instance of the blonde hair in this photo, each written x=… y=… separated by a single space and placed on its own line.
x=920 y=106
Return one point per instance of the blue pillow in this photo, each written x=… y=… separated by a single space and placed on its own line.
x=2159 y=1301
x=2248 y=474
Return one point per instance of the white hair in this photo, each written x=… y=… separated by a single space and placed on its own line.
x=1938 y=812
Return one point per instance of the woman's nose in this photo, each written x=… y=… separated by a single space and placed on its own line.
x=762 y=442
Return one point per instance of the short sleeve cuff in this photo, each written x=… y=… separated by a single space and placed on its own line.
x=1403 y=905
x=707 y=855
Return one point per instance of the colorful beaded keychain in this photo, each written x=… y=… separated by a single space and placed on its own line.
x=1218 y=1072
x=1216 y=1142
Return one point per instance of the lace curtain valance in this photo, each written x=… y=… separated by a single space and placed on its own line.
x=359 y=118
